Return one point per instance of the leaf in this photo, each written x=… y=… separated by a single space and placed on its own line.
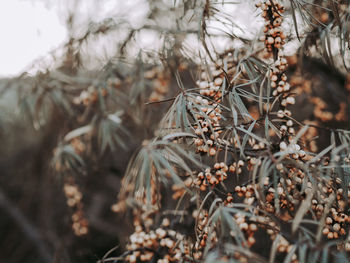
x=303 y=208
x=166 y=156
x=233 y=110
x=241 y=107
x=253 y=135
x=245 y=138
x=294 y=19
x=290 y=254
x=302 y=253
x=175 y=135
x=60 y=100
x=273 y=250
x=78 y=132
x=321 y=154
x=176 y=115
x=115 y=117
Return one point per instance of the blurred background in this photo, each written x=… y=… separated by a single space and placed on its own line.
x=75 y=80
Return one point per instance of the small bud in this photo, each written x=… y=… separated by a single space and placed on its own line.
x=290 y=100
x=283 y=146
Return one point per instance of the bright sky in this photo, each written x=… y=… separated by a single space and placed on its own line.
x=28 y=30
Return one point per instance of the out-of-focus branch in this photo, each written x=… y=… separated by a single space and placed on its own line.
x=28 y=229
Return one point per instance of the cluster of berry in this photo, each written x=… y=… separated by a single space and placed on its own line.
x=74 y=200
x=163 y=243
